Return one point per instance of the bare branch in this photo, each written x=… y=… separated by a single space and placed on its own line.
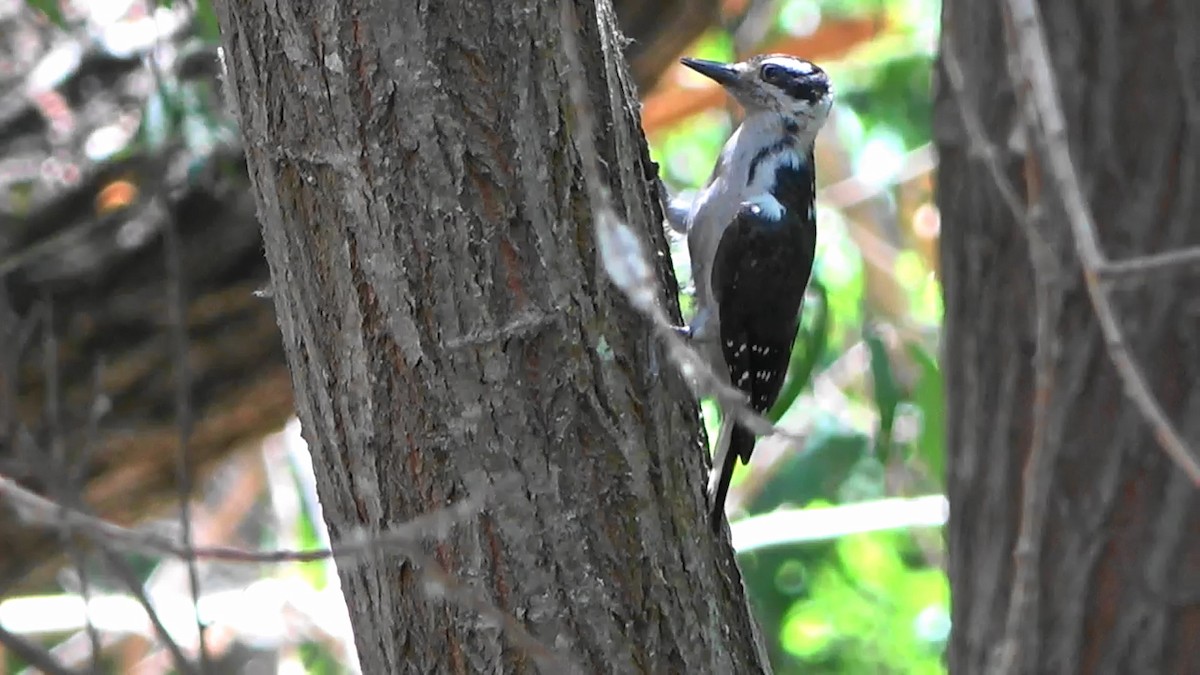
x=980 y=145
x=402 y=538
x=1030 y=45
x=184 y=415
x=125 y=573
x=60 y=475
x=1040 y=107
x=1146 y=264
x=1036 y=477
x=38 y=510
x=33 y=654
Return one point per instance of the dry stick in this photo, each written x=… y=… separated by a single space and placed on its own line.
x=180 y=347
x=1036 y=477
x=984 y=149
x=38 y=510
x=33 y=654
x=1030 y=43
x=184 y=415
x=402 y=538
x=1146 y=264
x=124 y=571
x=60 y=476
x=751 y=26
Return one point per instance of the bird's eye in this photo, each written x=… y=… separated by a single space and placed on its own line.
x=771 y=72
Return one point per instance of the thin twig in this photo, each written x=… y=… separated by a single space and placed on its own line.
x=38 y=510
x=1030 y=45
x=1037 y=474
x=33 y=654
x=402 y=539
x=853 y=190
x=180 y=346
x=1040 y=107
x=749 y=28
x=1146 y=264
x=977 y=138
x=184 y=418
x=125 y=573
x=41 y=511
x=61 y=477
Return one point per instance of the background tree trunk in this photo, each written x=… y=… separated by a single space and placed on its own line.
x=446 y=324
x=1119 y=552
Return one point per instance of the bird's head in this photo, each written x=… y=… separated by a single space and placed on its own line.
x=794 y=88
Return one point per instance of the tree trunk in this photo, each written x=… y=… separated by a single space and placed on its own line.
x=447 y=324
x=1117 y=555
x=108 y=294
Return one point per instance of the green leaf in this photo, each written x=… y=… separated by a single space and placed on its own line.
x=49 y=9
x=318 y=659
x=714 y=45
x=806 y=354
x=887 y=393
x=808 y=633
x=872 y=560
x=206 y=22
x=931 y=400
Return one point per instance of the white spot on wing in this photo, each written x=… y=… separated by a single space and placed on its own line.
x=770 y=207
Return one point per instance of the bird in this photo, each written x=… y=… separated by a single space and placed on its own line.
x=751 y=235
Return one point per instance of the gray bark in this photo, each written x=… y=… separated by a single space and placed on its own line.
x=109 y=300
x=1119 y=556
x=446 y=323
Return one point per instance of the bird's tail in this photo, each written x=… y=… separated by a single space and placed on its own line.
x=734 y=442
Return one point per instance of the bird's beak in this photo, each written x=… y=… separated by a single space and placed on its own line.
x=723 y=74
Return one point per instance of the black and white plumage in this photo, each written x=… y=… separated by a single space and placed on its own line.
x=752 y=238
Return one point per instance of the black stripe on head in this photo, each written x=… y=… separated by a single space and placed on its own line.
x=797 y=78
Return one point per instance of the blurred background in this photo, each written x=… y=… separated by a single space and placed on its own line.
x=121 y=175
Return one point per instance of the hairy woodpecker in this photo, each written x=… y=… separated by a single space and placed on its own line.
x=751 y=236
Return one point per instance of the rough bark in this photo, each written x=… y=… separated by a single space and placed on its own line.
x=58 y=246
x=446 y=323
x=1119 y=553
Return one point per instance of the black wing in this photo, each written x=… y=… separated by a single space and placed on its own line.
x=760 y=272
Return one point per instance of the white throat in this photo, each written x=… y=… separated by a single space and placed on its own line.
x=761 y=138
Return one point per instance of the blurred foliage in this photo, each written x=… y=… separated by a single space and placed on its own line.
x=864 y=386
